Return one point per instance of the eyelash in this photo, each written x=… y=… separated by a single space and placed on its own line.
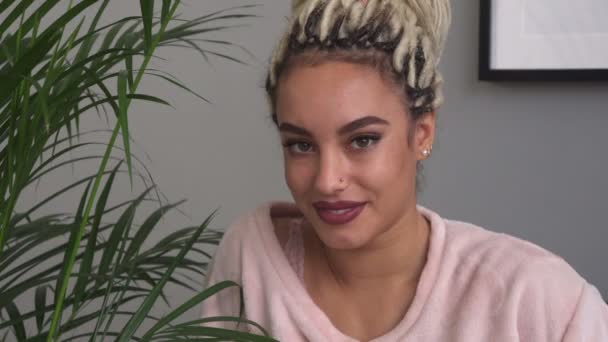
x=374 y=138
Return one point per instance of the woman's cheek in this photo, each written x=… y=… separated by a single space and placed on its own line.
x=384 y=165
x=297 y=174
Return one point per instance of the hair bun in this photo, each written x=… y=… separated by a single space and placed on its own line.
x=295 y=4
x=412 y=31
x=434 y=16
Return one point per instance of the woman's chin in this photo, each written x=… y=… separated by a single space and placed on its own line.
x=343 y=237
x=342 y=240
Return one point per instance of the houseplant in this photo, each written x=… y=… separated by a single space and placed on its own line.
x=80 y=272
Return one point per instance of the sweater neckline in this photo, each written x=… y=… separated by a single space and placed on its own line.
x=290 y=280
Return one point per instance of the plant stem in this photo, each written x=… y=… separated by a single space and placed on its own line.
x=70 y=263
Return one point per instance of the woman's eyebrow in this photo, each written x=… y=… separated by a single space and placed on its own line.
x=287 y=127
x=360 y=123
x=344 y=130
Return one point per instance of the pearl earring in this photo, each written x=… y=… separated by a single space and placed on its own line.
x=426 y=152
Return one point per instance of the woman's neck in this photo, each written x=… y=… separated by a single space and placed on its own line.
x=398 y=255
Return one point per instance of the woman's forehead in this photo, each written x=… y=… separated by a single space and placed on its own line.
x=334 y=94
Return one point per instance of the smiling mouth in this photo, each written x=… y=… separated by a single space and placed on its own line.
x=338 y=213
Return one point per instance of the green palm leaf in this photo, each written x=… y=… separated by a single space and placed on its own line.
x=96 y=261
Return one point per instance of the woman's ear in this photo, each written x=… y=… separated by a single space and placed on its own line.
x=424 y=135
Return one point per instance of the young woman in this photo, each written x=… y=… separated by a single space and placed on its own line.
x=353 y=88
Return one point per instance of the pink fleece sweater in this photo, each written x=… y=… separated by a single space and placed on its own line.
x=477 y=285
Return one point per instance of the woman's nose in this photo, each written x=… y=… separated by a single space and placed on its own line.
x=331 y=175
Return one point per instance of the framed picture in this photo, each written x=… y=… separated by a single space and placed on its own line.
x=543 y=40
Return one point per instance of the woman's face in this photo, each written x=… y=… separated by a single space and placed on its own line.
x=348 y=162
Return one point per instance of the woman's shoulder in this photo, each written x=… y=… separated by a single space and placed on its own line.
x=515 y=285
x=510 y=257
x=541 y=288
x=525 y=275
x=249 y=237
x=466 y=245
x=471 y=239
x=263 y=226
x=263 y=218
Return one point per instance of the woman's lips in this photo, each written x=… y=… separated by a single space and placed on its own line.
x=336 y=213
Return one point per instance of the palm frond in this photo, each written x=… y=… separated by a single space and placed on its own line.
x=84 y=268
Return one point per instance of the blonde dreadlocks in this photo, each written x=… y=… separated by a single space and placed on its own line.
x=410 y=32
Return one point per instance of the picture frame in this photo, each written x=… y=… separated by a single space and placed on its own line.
x=543 y=40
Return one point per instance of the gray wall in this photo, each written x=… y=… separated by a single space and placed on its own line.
x=524 y=159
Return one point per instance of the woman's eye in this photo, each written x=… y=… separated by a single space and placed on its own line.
x=299 y=147
x=363 y=142
x=302 y=147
